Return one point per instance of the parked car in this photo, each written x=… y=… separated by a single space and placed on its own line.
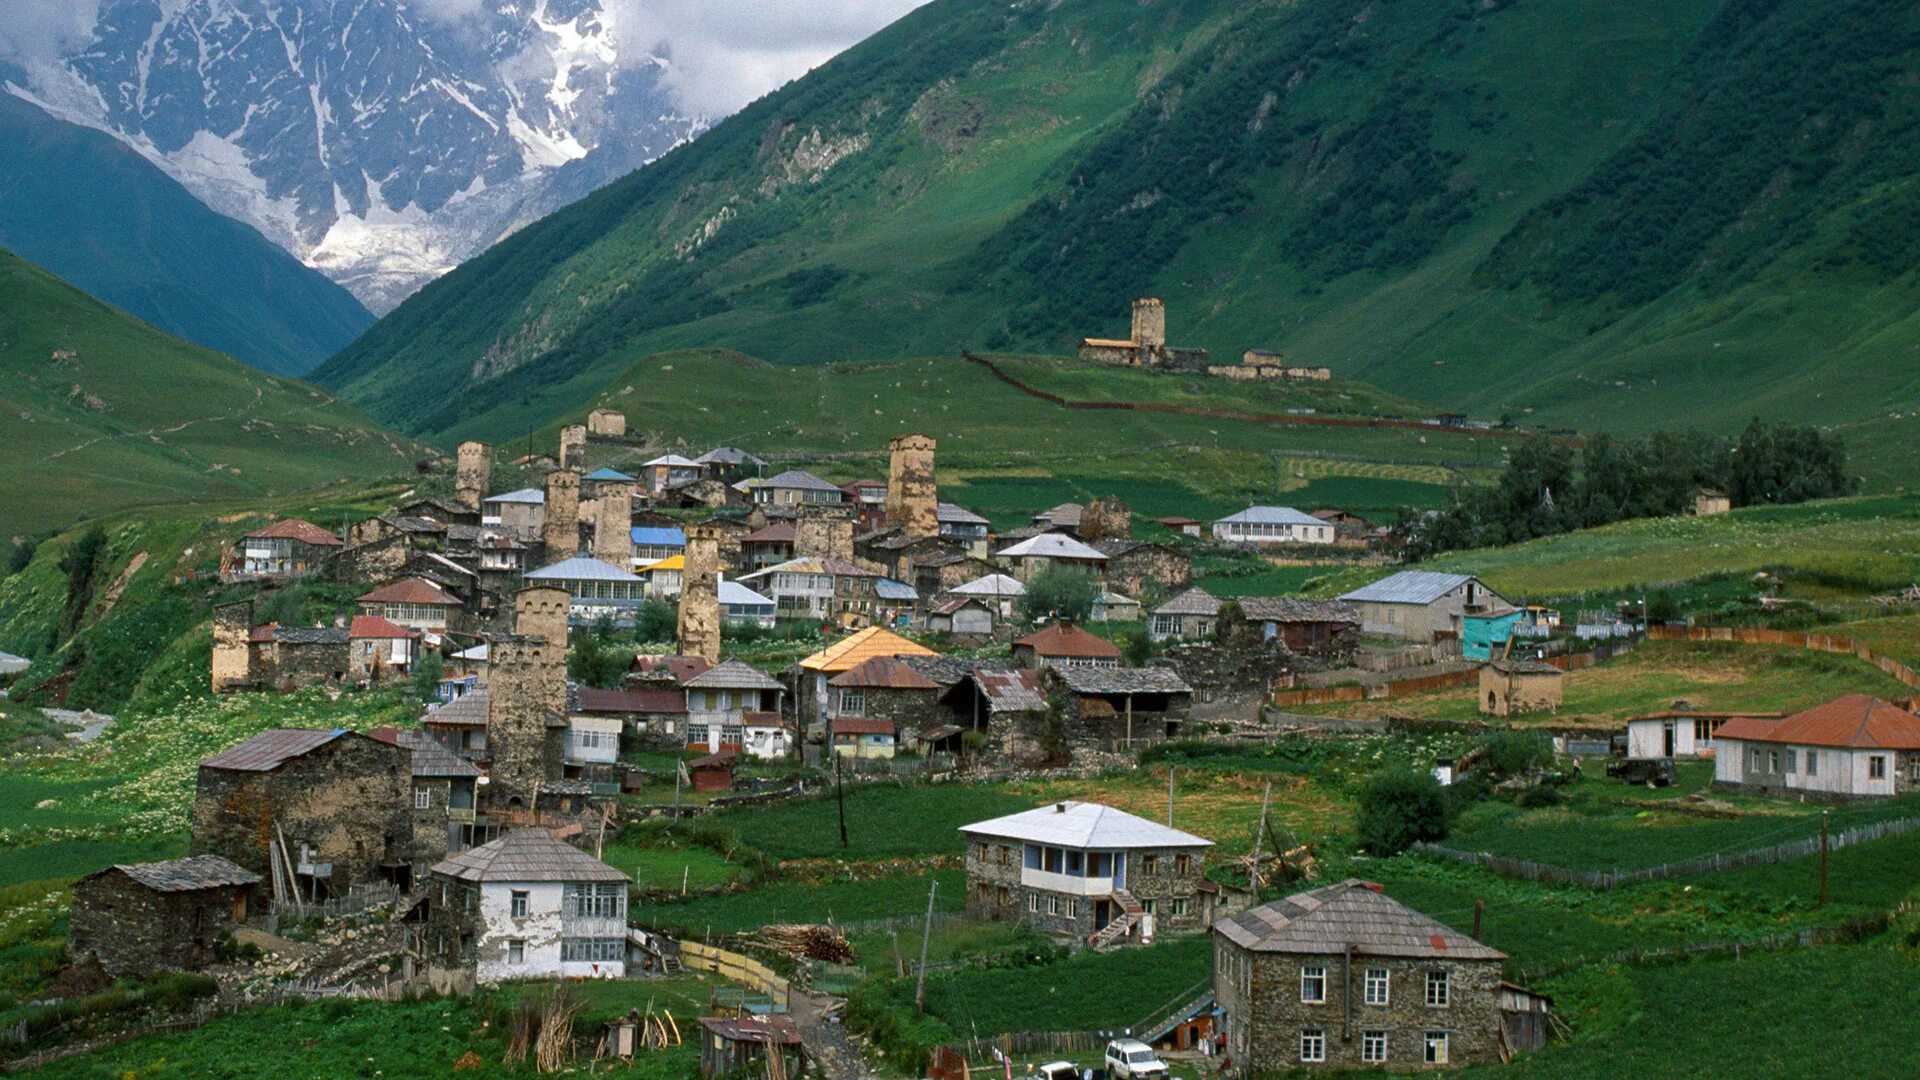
x=1653 y=772
x=1131 y=1058
x=1059 y=1070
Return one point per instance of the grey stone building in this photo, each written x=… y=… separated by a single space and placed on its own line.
x=443 y=801
x=338 y=800
x=1088 y=871
x=158 y=916
x=1344 y=977
x=1421 y=606
x=1114 y=708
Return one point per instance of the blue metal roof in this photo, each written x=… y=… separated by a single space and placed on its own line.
x=649 y=536
x=605 y=472
x=889 y=589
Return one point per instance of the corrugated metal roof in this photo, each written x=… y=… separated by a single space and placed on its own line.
x=991 y=585
x=734 y=594
x=733 y=675
x=862 y=725
x=411 y=591
x=271 y=749
x=609 y=473
x=947 y=513
x=1011 y=691
x=725 y=455
x=1329 y=919
x=885 y=588
x=1086 y=826
x=852 y=651
x=799 y=479
x=1408 y=587
x=659 y=536
x=672 y=461
x=534 y=496
x=188 y=874
x=1052 y=546
x=527 y=855
x=1270 y=515
x=1082 y=679
x=580 y=568
x=1855 y=720
x=884 y=672
x=1067 y=640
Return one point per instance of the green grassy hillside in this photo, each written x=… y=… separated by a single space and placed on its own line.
x=102 y=413
x=1597 y=215
x=89 y=209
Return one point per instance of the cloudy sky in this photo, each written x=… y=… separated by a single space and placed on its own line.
x=724 y=53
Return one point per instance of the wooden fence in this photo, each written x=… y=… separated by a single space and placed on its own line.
x=734 y=967
x=1847 y=933
x=1791 y=639
x=1708 y=864
x=1426 y=684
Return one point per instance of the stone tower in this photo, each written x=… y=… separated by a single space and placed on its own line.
x=540 y=611
x=561 y=532
x=1106 y=519
x=912 y=498
x=823 y=532
x=473 y=473
x=232 y=655
x=613 y=525
x=607 y=423
x=573 y=446
x=526 y=717
x=699 y=626
x=1149 y=322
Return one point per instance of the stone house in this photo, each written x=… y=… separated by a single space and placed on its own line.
x=1111 y=606
x=1008 y=707
x=734 y=706
x=159 y=916
x=767 y=546
x=1065 y=645
x=868 y=498
x=287 y=548
x=656 y=716
x=527 y=905
x=460 y=725
x=1087 y=871
x=1264 y=525
x=1193 y=614
x=1184 y=526
x=444 y=797
x=932 y=575
x=1348 y=528
x=727 y=463
x=290 y=657
x=815 y=588
x=607 y=423
x=1141 y=566
x=338 y=800
x=1709 y=501
x=957 y=524
x=1344 y=977
x=795 y=487
x=1063 y=518
x=669 y=471
x=962 y=616
x=415 y=603
x=1853 y=748
x=897 y=553
x=1028 y=558
x=1326 y=629
x=520 y=514
x=1513 y=687
x=883 y=688
x=812 y=695
x=1421 y=606
x=379 y=650
x=1146 y=345
x=1116 y=708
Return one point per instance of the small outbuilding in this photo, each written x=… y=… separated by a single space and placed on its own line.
x=713 y=772
x=741 y=1046
x=159 y=916
x=1513 y=687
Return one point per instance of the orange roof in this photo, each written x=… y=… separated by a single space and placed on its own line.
x=411 y=590
x=1109 y=343
x=849 y=653
x=373 y=626
x=884 y=672
x=294 y=529
x=1065 y=639
x=1856 y=720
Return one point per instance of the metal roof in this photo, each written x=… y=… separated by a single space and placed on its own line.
x=1327 y=920
x=1082 y=679
x=1855 y=720
x=991 y=585
x=852 y=651
x=885 y=588
x=188 y=874
x=800 y=479
x=580 y=568
x=609 y=473
x=1084 y=825
x=954 y=514
x=1065 y=639
x=1195 y=601
x=733 y=675
x=672 y=461
x=725 y=455
x=862 y=725
x=271 y=749
x=1408 y=587
x=734 y=594
x=1052 y=546
x=655 y=536
x=1011 y=691
x=1270 y=515
x=884 y=672
x=411 y=590
x=527 y=855
x=535 y=496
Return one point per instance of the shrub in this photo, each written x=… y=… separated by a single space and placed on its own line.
x=1399 y=808
x=1060 y=593
x=1513 y=753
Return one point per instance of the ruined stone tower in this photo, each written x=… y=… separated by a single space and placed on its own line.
x=607 y=423
x=473 y=473
x=1149 y=322
x=232 y=655
x=1106 y=519
x=823 y=532
x=912 y=499
x=613 y=525
x=573 y=446
x=699 y=626
x=561 y=532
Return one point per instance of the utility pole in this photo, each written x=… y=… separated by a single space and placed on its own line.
x=926 y=935
x=1479 y=909
x=1823 y=858
x=1253 y=867
x=1169 y=796
x=839 y=788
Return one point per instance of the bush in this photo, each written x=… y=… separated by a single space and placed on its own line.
x=1060 y=593
x=1503 y=754
x=1399 y=808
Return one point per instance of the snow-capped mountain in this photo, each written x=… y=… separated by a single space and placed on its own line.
x=380 y=141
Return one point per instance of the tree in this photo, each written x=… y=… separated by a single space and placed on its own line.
x=594 y=661
x=1135 y=647
x=1399 y=808
x=1061 y=593
x=427 y=672
x=656 y=621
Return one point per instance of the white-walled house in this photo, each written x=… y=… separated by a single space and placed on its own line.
x=1272 y=525
x=1682 y=733
x=1851 y=748
x=527 y=905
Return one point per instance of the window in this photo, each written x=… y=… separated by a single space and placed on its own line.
x=593 y=950
x=516 y=951
x=1377 y=986
x=1436 y=1047
x=733 y=735
x=853 y=702
x=422 y=799
x=1877 y=767
x=517 y=904
x=1791 y=756
x=1076 y=864
x=1773 y=761
x=980 y=851
x=1032 y=856
x=1313 y=985
x=1753 y=761
x=696 y=734
x=585 y=900
x=1053 y=905
x=1313 y=1045
x=1149 y=864
x=1180 y=905
x=1073 y=907
x=1437 y=989
x=1006 y=855
x=1373 y=1046
x=1813 y=763
x=1703 y=730
x=1183 y=864
x=1163 y=625
x=1151 y=907
x=1003 y=896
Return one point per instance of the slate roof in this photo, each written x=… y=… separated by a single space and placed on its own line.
x=678 y=668
x=527 y=855
x=851 y=651
x=632 y=701
x=949 y=670
x=1270 y=515
x=430 y=759
x=1113 y=680
x=780 y=532
x=1858 y=721
x=1067 y=640
x=1064 y=516
x=307 y=635
x=1288 y=609
x=947 y=513
x=1195 y=601
x=580 y=568
x=655 y=536
x=410 y=591
x=1011 y=691
x=1052 y=546
x=1408 y=587
x=1084 y=825
x=800 y=479
x=725 y=455
x=1325 y=921
x=884 y=672
x=534 y=496
x=812 y=565
x=951 y=605
x=1519 y=666
x=295 y=529
x=733 y=675
x=189 y=874
x=991 y=585
x=467 y=710
x=269 y=750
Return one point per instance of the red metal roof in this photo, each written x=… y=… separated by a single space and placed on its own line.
x=410 y=591
x=271 y=749
x=678 y=668
x=1063 y=639
x=779 y=532
x=294 y=529
x=263 y=633
x=632 y=701
x=884 y=672
x=1855 y=720
x=861 y=725
x=373 y=626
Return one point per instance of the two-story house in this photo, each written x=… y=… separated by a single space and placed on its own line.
x=735 y=707
x=527 y=905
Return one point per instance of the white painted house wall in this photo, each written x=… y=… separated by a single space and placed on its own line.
x=1839 y=770
x=542 y=929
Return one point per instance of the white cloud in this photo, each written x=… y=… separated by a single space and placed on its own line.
x=42 y=29
x=449 y=12
x=722 y=55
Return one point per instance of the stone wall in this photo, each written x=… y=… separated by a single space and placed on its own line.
x=527 y=691
x=573 y=446
x=1146 y=568
x=560 y=532
x=540 y=611
x=1150 y=321
x=290 y=665
x=232 y=653
x=912 y=498
x=908 y=709
x=823 y=532
x=613 y=525
x=993 y=881
x=136 y=931
x=473 y=473
x=607 y=423
x=1106 y=518
x=1501 y=695
x=698 y=625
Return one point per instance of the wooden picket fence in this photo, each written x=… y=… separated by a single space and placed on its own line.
x=1708 y=864
x=1791 y=639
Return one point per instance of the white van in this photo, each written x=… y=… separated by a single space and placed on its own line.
x=1128 y=1059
